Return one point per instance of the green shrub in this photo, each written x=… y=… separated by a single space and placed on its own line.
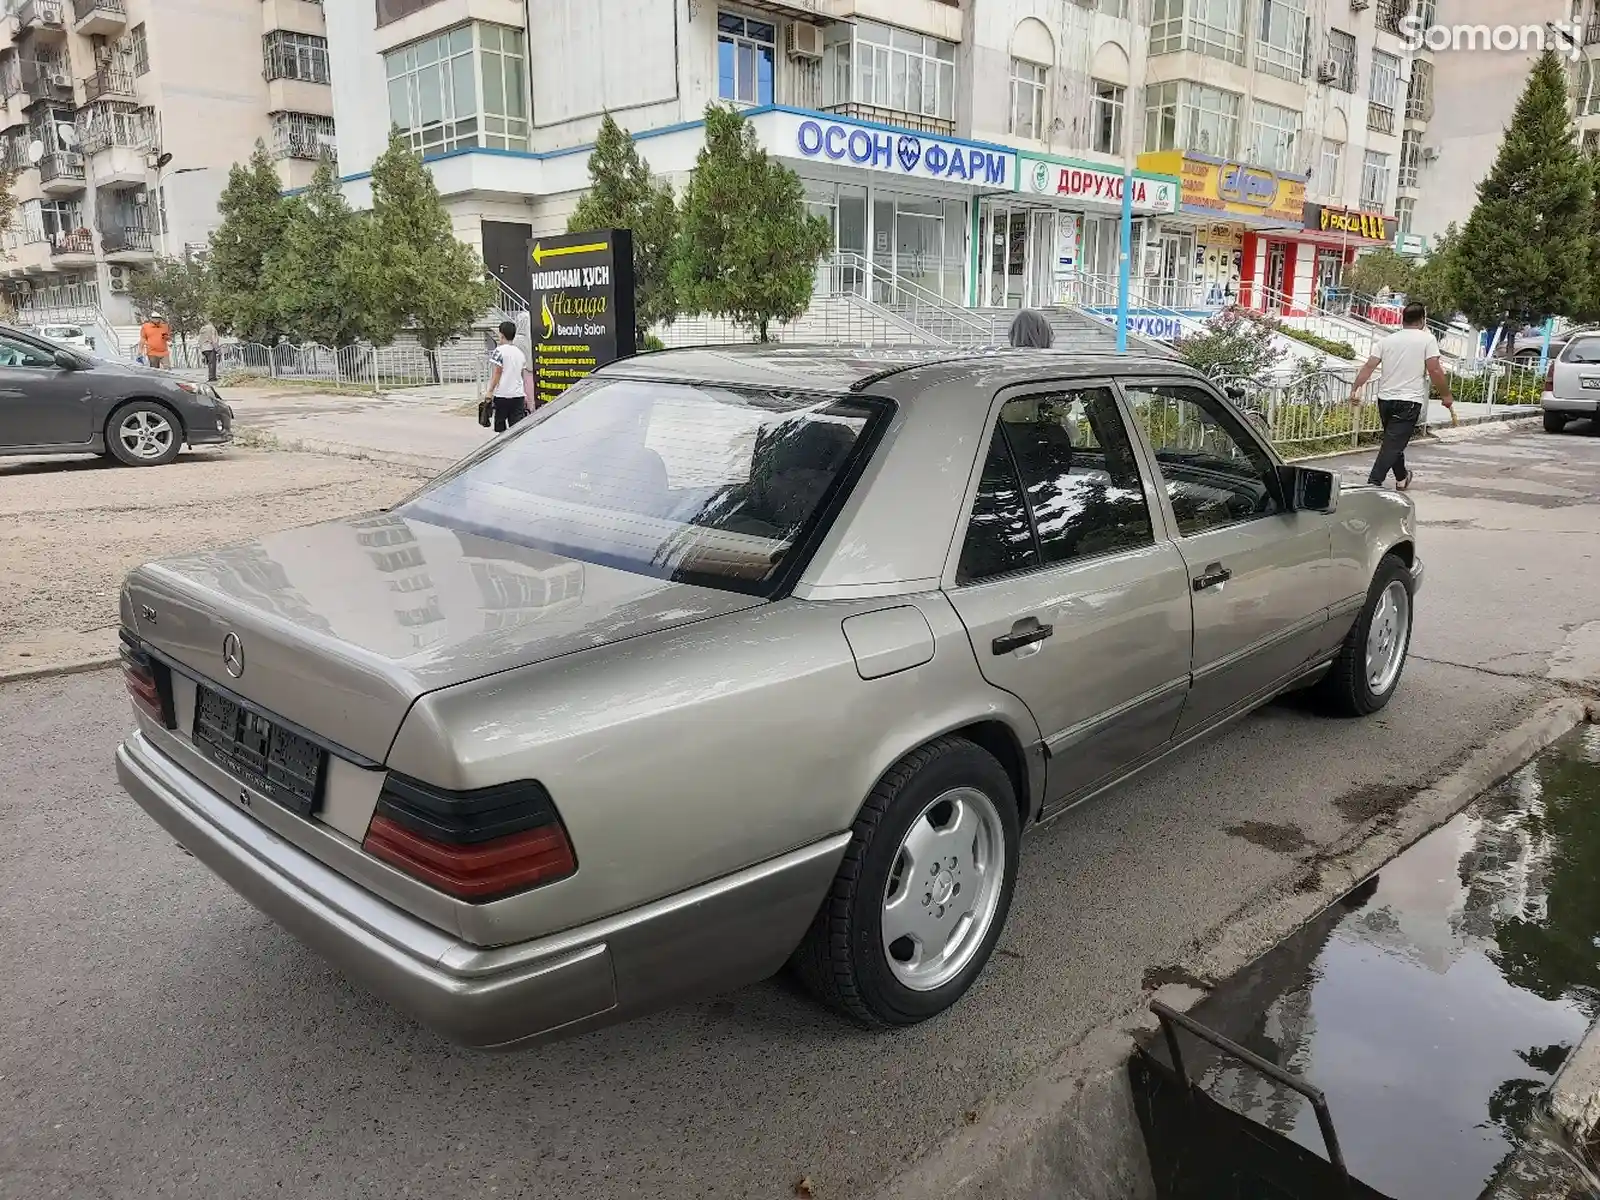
x=1342 y=350
x=1515 y=387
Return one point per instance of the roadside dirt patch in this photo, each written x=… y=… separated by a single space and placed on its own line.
x=1282 y=839
x=1372 y=800
x=1156 y=978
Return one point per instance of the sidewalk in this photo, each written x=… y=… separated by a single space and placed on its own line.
x=427 y=427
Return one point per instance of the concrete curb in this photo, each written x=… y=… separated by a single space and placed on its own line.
x=1072 y=1133
x=79 y=667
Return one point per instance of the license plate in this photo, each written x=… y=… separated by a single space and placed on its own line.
x=1590 y=381
x=283 y=766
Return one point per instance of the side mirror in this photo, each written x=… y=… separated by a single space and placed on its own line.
x=1312 y=490
x=68 y=362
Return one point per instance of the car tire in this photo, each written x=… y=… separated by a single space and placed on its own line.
x=925 y=803
x=1367 y=672
x=1554 y=422
x=144 y=434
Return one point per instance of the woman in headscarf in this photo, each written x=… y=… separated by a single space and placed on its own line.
x=1031 y=330
x=524 y=342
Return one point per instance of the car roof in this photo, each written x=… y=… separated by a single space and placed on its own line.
x=862 y=369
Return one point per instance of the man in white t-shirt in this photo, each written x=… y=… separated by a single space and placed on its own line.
x=506 y=392
x=1405 y=361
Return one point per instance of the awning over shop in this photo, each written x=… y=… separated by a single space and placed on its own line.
x=1228 y=190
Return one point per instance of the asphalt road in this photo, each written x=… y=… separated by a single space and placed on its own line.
x=160 y=1038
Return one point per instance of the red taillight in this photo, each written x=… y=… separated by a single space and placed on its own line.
x=144 y=679
x=477 y=845
x=1550 y=376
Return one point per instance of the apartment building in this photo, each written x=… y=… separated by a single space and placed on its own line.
x=122 y=119
x=964 y=150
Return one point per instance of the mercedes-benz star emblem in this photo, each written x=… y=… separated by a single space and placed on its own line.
x=233 y=655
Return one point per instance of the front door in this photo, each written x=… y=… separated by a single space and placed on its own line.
x=507 y=256
x=1071 y=601
x=40 y=403
x=1259 y=576
x=1276 y=262
x=1177 y=268
x=1042 y=259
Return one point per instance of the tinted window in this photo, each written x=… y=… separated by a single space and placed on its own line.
x=1078 y=474
x=1583 y=350
x=999 y=536
x=702 y=484
x=1215 y=474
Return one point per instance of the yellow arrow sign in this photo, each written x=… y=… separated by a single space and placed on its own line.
x=540 y=253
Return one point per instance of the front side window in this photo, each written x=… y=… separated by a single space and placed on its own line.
x=701 y=484
x=1274 y=132
x=1060 y=484
x=1110 y=100
x=301 y=56
x=1027 y=99
x=746 y=54
x=14 y=352
x=1214 y=473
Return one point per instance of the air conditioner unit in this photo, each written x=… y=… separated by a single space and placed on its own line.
x=805 y=41
x=1429 y=153
x=119 y=280
x=1327 y=71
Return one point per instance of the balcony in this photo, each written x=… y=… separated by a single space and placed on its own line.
x=1591 y=32
x=44 y=81
x=98 y=16
x=1379 y=118
x=61 y=173
x=45 y=17
x=127 y=243
x=937 y=126
x=1391 y=13
x=75 y=249
x=109 y=83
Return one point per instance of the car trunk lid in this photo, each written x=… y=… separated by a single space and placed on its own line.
x=339 y=627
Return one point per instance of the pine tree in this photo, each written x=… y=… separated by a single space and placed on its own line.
x=624 y=195
x=747 y=248
x=1525 y=251
x=1435 y=282
x=311 y=274
x=409 y=269
x=254 y=212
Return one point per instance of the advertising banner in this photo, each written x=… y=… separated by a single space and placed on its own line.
x=832 y=141
x=1216 y=187
x=1093 y=188
x=582 y=305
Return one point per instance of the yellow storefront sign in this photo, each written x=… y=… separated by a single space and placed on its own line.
x=1217 y=187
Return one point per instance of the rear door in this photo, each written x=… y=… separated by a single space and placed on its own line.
x=1260 y=576
x=41 y=404
x=1071 y=600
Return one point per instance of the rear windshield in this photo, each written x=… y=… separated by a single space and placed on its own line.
x=702 y=484
x=1582 y=350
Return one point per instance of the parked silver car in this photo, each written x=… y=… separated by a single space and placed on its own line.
x=739 y=657
x=1572 y=384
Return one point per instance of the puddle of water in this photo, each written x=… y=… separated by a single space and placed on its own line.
x=1435 y=1004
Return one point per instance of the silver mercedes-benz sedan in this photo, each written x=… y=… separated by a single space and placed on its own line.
x=742 y=657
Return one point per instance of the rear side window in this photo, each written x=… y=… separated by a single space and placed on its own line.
x=1060 y=484
x=1582 y=350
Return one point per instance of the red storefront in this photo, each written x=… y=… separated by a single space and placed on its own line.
x=1294 y=273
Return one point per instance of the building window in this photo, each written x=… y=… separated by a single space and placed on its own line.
x=1274 y=131
x=301 y=56
x=1405 y=210
x=890 y=69
x=1281 y=46
x=1330 y=170
x=1410 y=157
x=1027 y=99
x=1375 y=181
x=1109 y=101
x=140 y=47
x=434 y=94
x=1343 y=55
x=112 y=123
x=302 y=135
x=1588 y=92
x=392 y=10
x=1214 y=28
x=746 y=54
x=1419 y=92
x=1113 y=8
x=1191 y=116
x=1383 y=92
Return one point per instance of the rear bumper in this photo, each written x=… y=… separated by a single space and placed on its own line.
x=724 y=934
x=1586 y=407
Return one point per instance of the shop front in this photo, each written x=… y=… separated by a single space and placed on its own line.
x=1304 y=271
x=899 y=202
x=1056 y=239
x=1208 y=256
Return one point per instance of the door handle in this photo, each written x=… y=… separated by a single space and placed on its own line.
x=1023 y=633
x=1212 y=576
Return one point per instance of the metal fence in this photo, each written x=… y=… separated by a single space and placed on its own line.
x=400 y=365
